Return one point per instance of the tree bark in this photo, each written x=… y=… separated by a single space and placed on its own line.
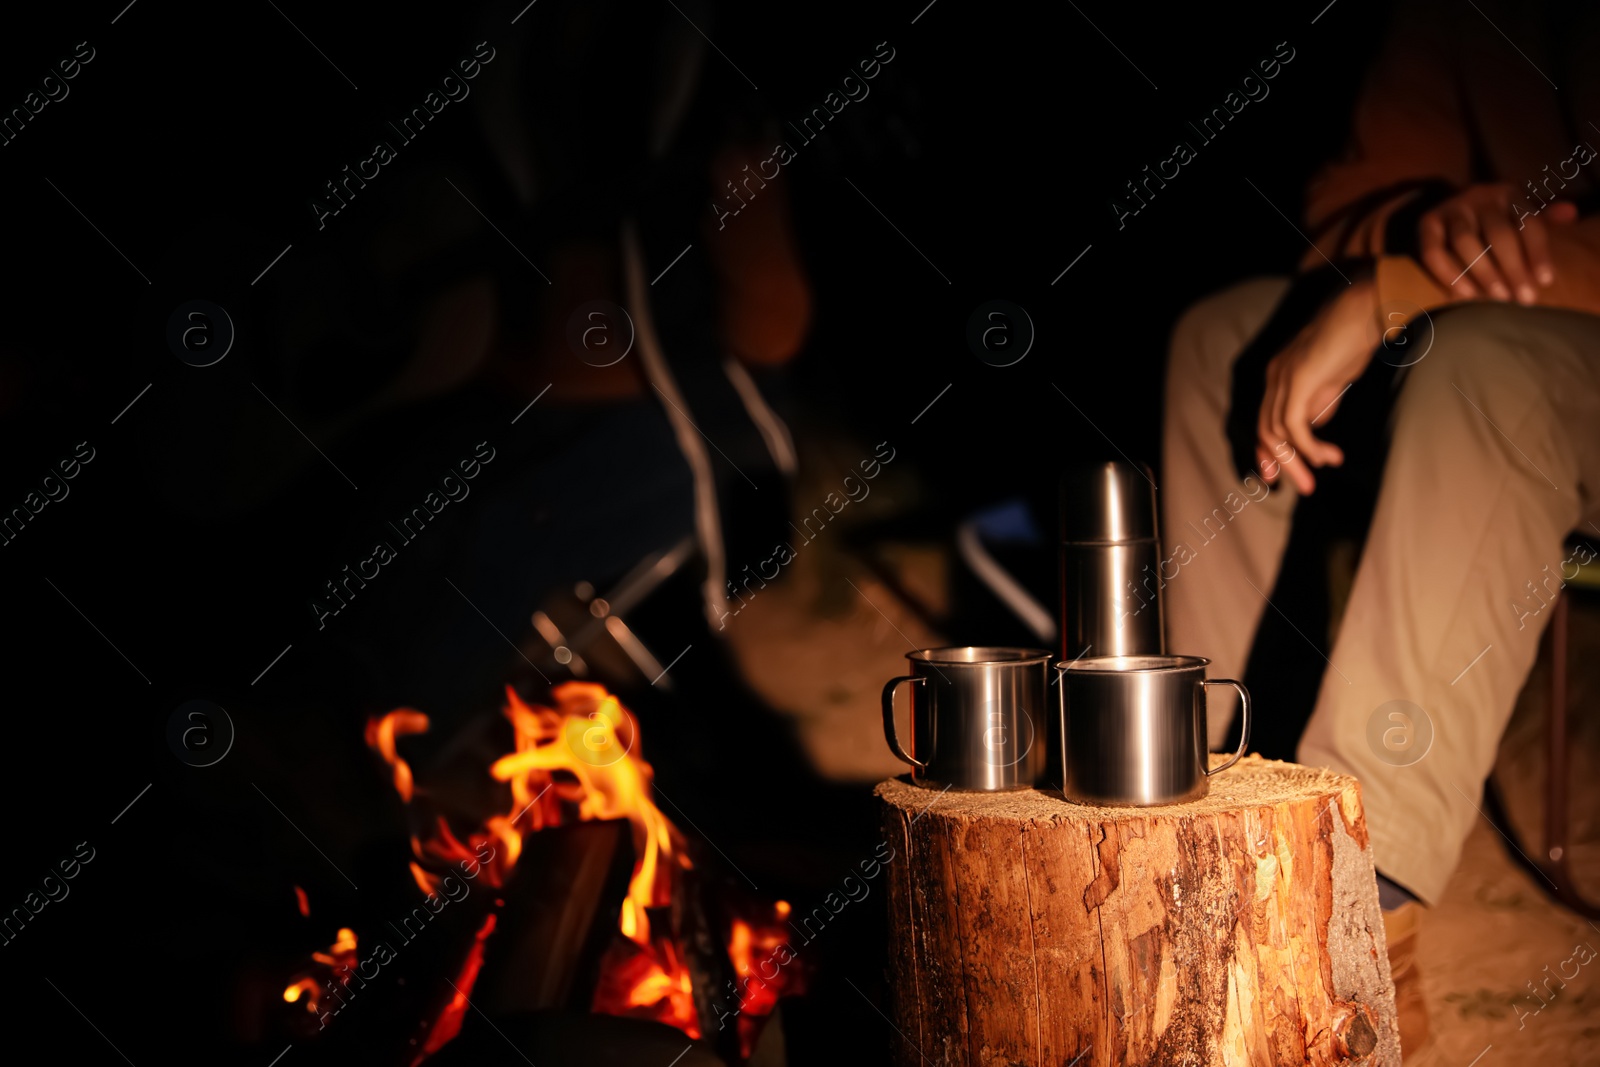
x=1242 y=928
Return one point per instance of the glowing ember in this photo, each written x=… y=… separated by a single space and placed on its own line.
x=576 y=762
x=448 y=1024
x=311 y=987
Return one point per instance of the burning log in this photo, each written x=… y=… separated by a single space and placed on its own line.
x=1240 y=928
x=598 y=903
x=559 y=915
x=710 y=970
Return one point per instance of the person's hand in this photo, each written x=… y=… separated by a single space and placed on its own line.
x=1455 y=234
x=1306 y=381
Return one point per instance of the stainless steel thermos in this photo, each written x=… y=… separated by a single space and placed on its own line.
x=1110 y=562
x=1110 y=576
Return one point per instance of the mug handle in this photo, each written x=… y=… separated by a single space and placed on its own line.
x=1244 y=728
x=889 y=734
x=1061 y=719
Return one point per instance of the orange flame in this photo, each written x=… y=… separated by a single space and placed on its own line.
x=763 y=946
x=342 y=953
x=577 y=761
x=590 y=737
x=577 y=754
x=381 y=733
x=448 y=1025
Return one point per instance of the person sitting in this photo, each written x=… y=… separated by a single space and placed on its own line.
x=1456 y=220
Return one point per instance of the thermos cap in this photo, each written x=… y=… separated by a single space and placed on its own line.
x=1107 y=503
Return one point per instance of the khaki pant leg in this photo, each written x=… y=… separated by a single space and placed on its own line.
x=1494 y=460
x=1219 y=535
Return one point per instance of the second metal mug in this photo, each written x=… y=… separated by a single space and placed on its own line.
x=977 y=716
x=1133 y=729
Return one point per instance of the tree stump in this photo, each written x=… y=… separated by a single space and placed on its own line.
x=1242 y=928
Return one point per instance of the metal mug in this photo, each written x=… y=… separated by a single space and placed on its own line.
x=1133 y=729
x=977 y=717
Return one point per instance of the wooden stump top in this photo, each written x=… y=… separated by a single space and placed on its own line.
x=1253 y=782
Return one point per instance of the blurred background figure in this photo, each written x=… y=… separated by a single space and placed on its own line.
x=644 y=324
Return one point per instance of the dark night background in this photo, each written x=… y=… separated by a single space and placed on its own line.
x=195 y=539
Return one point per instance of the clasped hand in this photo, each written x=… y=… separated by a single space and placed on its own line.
x=1474 y=244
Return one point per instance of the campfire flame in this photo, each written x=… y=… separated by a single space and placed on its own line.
x=599 y=735
x=342 y=953
x=577 y=762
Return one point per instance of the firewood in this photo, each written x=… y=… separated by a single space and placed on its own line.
x=560 y=914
